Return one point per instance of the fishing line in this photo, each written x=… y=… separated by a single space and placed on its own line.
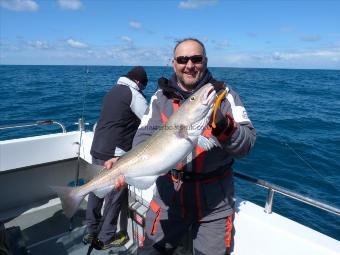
x=308 y=164
x=81 y=125
x=164 y=69
x=166 y=66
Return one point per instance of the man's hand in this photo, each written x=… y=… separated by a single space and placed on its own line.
x=224 y=124
x=109 y=163
x=120 y=181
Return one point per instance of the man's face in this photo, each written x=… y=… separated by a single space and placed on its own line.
x=189 y=73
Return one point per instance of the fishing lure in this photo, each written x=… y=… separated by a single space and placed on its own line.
x=217 y=105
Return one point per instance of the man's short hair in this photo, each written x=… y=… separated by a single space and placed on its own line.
x=189 y=39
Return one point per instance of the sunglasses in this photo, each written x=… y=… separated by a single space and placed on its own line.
x=196 y=59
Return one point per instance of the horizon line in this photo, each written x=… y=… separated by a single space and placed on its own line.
x=168 y=66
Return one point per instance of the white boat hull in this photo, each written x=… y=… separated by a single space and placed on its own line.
x=29 y=165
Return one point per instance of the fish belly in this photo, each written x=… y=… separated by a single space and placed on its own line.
x=155 y=163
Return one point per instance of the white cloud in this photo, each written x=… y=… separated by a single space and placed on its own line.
x=19 y=5
x=324 y=58
x=70 y=4
x=286 y=29
x=325 y=54
x=39 y=45
x=135 y=25
x=336 y=44
x=276 y=56
x=7 y=47
x=126 y=39
x=221 y=45
x=252 y=34
x=310 y=38
x=128 y=52
x=237 y=58
x=76 y=44
x=170 y=38
x=205 y=39
x=194 y=4
x=135 y=55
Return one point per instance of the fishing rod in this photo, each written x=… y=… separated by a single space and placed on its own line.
x=81 y=125
x=164 y=71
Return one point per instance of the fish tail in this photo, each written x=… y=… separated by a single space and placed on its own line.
x=70 y=199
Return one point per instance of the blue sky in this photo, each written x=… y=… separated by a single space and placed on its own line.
x=253 y=33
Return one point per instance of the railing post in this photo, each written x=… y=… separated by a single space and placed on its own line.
x=269 y=201
x=287 y=193
x=81 y=124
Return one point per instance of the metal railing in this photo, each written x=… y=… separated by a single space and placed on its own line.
x=32 y=124
x=272 y=188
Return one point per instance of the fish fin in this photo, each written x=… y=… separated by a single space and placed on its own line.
x=103 y=191
x=208 y=143
x=70 y=200
x=182 y=132
x=141 y=182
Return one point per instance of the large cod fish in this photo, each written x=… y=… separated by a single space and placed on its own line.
x=170 y=144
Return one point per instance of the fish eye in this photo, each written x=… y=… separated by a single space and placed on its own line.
x=192 y=98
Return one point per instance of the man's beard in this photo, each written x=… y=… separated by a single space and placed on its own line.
x=189 y=86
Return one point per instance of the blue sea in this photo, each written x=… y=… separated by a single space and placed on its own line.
x=296 y=114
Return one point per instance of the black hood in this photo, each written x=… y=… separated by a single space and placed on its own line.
x=172 y=90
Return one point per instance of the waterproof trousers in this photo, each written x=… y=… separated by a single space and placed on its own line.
x=105 y=226
x=167 y=221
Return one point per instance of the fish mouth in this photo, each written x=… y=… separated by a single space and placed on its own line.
x=209 y=96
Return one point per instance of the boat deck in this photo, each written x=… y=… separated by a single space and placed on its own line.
x=46 y=231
